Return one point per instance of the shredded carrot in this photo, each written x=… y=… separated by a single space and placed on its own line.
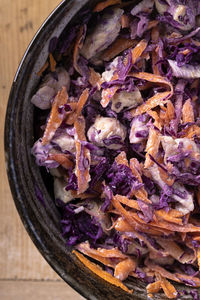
x=44 y=67
x=63 y=159
x=121 y=159
x=80 y=104
x=152 y=147
x=187 y=112
x=198 y=257
x=108 y=253
x=107 y=94
x=78 y=45
x=152 y=24
x=168 y=289
x=102 y=5
x=101 y=273
x=52 y=62
x=156 y=100
x=158 y=120
x=135 y=168
x=131 y=203
x=155 y=34
x=125 y=21
x=55 y=119
x=168 y=216
x=138 y=50
x=83 y=177
x=118 y=46
x=153 y=287
x=196 y=280
x=94 y=78
x=124 y=267
x=155 y=59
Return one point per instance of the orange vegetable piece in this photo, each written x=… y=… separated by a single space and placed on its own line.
x=121 y=159
x=125 y=21
x=78 y=45
x=119 y=45
x=52 y=62
x=198 y=257
x=63 y=159
x=168 y=289
x=83 y=177
x=124 y=267
x=107 y=94
x=153 y=287
x=44 y=67
x=101 y=273
x=55 y=119
x=187 y=112
x=102 y=5
x=152 y=146
x=78 y=108
x=94 y=78
x=138 y=50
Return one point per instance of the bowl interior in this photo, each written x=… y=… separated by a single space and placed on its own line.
x=29 y=183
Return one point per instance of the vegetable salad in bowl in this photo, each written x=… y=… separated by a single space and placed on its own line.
x=119 y=131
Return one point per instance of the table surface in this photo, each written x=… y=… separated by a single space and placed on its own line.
x=24 y=272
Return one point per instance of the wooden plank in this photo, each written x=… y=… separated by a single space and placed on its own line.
x=19 y=20
x=29 y=290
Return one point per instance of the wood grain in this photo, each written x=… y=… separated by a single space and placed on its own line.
x=19 y=259
x=9 y=290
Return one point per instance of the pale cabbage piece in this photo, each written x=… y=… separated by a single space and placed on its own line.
x=126 y=99
x=50 y=87
x=65 y=142
x=103 y=34
x=60 y=192
x=186 y=71
x=104 y=128
x=184 y=205
x=137 y=125
x=170 y=146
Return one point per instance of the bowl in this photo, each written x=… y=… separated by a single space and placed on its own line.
x=29 y=185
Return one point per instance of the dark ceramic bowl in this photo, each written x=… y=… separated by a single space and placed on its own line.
x=29 y=186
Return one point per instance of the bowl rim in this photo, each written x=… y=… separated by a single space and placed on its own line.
x=10 y=164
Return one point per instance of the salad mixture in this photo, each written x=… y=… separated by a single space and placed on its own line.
x=119 y=101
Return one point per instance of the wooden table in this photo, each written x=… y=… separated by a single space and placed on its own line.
x=24 y=274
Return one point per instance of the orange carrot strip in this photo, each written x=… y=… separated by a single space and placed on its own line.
x=55 y=119
x=52 y=62
x=152 y=24
x=198 y=257
x=187 y=112
x=154 y=62
x=124 y=267
x=155 y=34
x=152 y=147
x=157 y=99
x=94 y=78
x=158 y=121
x=83 y=177
x=99 y=272
x=131 y=203
x=107 y=94
x=135 y=168
x=108 y=253
x=121 y=159
x=153 y=287
x=105 y=260
x=78 y=45
x=124 y=21
x=81 y=102
x=44 y=67
x=102 y=5
x=168 y=289
x=138 y=50
x=63 y=159
x=79 y=106
x=119 y=45
x=152 y=78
